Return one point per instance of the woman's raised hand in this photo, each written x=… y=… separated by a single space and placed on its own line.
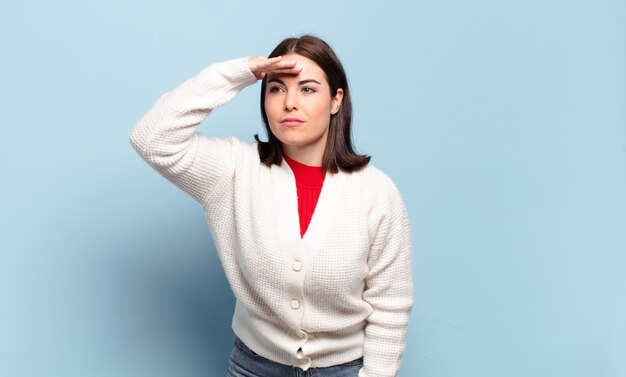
x=261 y=66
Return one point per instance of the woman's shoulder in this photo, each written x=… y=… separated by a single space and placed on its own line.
x=377 y=193
x=374 y=181
x=373 y=175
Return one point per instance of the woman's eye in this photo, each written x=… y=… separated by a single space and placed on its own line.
x=274 y=89
x=307 y=90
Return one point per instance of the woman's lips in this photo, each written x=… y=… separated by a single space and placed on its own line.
x=291 y=121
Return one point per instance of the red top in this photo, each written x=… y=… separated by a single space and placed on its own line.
x=309 y=181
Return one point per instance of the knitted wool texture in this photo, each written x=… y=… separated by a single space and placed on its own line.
x=342 y=291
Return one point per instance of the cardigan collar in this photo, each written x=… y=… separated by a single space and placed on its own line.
x=286 y=204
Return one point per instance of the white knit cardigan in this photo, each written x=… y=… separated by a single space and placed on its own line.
x=342 y=291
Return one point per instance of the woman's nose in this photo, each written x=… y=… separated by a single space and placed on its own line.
x=290 y=101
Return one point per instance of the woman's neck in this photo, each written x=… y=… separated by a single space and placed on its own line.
x=306 y=156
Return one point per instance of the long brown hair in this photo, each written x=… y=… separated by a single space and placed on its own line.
x=338 y=153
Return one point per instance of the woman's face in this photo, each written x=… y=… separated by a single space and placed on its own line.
x=298 y=109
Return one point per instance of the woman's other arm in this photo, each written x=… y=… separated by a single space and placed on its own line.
x=389 y=289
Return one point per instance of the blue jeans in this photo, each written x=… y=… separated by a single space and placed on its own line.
x=246 y=363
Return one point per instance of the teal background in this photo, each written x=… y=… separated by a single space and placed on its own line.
x=503 y=124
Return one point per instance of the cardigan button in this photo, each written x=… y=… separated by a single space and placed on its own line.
x=295 y=304
x=302 y=359
x=297 y=266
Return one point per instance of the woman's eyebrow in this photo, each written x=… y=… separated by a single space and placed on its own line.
x=301 y=82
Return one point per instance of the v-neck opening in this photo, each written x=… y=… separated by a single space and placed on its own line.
x=309 y=181
x=322 y=214
x=317 y=203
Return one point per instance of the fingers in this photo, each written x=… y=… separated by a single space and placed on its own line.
x=264 y=62
x=286 y=71
x=288 y=67
x=261 y=66
x=261 y=63
x=275 y=64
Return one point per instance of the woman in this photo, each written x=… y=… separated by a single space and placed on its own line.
x=314 y=241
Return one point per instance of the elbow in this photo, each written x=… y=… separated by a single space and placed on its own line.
x=138 y=140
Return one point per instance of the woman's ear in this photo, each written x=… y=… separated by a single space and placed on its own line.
x=336 y=101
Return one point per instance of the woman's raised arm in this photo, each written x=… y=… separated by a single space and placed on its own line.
x=166 y=135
